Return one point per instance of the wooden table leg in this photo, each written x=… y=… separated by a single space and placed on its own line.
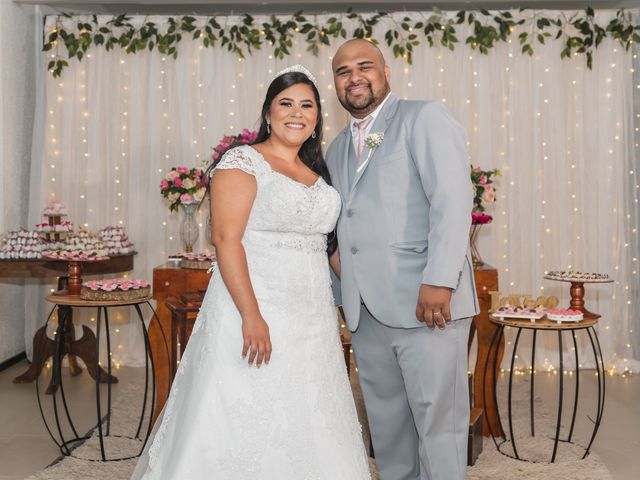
x=485 y=330
x=84 y=347
x=43 y=348
x=159 y=342
x=69 y=337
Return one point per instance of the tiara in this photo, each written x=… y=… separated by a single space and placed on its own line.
x=300 y=69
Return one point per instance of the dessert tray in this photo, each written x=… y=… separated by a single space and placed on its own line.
x=116 y=289
x=115 y=240
x=571 y=276
x=197 y=260
x=526 y=313
x=74 y=256
x=568 y=315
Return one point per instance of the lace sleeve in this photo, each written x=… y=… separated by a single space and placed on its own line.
x=237 y=158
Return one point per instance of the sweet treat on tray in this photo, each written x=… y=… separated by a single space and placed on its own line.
x=570 y=275
x=64 y=227
x=74 y=255
x=115 y=289
x=519 y=311
x=197 y=260
x=79 y=246
x=21 y=245
x=565 y=315
x=115 y=240
x=55 y=209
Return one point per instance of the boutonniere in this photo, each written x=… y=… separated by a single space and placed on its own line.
x=373 y=141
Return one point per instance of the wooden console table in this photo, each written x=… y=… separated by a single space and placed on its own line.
x=43 y=346
x=486 y=278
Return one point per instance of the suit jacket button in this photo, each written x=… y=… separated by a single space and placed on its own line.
x=354 y=250
x=349 y=213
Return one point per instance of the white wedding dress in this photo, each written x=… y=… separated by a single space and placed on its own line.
x=293 y=419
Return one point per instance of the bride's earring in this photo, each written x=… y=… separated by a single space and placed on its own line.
x=313 y=134
x=268 y=128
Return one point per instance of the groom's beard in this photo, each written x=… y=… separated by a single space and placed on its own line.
x=363 y=104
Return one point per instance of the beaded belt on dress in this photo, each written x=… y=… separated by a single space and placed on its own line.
x=306 y=245
x=299 y=242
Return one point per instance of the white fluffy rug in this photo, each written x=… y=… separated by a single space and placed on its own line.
x=491 y=465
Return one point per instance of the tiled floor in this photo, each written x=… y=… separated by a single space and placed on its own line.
x=25 y=446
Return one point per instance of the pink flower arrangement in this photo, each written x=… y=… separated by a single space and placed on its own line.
x=183 y=185
x=230 y=141
x=484 y=194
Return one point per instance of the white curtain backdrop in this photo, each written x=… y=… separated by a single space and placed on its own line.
x=561 y=134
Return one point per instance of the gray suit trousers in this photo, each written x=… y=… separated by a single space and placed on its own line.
x=414 y=383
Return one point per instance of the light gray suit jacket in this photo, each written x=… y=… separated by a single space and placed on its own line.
x=406 y=215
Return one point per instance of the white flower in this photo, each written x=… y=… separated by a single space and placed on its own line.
x=188 y=183
x=373 y=141
x=199 y=195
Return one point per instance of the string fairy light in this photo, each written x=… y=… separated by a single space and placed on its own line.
x=551 y=82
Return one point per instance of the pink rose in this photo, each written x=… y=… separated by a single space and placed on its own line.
x=480 y=218
x=489 y=196
x=164 y=185
x=477 y=169
x=182 y=170
x=177 y=182
x=172 y=175
x=488 y=188
x=482 y=180
x=186 y=198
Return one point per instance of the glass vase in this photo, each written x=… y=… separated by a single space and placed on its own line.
x=189 y=226
x=473 y=238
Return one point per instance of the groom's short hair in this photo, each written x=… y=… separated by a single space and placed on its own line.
x=357 y=40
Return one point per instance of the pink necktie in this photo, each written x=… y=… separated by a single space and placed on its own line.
x=362 y=128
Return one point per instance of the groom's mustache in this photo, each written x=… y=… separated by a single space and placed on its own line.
x=359 y=85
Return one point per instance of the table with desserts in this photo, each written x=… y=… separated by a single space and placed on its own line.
x=534 y=319
x=55 y=249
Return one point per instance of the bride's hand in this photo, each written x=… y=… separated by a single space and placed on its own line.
x=257 y=341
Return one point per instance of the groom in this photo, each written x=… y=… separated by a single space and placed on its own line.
x=406 y=279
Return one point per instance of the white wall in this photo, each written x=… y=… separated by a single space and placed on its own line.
x=17 y=98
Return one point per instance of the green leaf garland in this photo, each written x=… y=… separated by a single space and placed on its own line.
x=580 y=33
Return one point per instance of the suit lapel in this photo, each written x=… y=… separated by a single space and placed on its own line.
x=380 y=125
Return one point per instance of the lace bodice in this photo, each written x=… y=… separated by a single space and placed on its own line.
x=283 y=204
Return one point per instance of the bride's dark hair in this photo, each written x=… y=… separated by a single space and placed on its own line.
x=311 y=150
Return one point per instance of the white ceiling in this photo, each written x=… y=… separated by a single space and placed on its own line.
x=282 y=6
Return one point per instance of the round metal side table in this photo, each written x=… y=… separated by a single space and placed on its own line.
x=545 y=325
x=62 y=412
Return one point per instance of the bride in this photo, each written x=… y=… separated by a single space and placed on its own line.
x=262 y=391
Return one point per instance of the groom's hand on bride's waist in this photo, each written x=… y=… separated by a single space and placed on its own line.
x=433 y=306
